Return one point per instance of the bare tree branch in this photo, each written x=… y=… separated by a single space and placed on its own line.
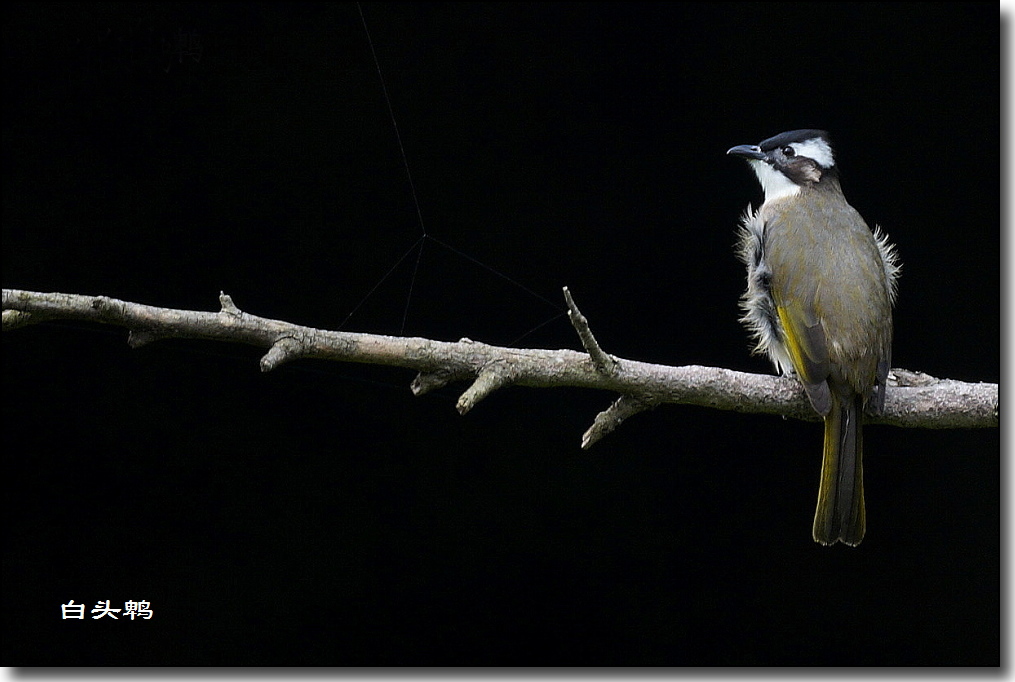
x=914 y=400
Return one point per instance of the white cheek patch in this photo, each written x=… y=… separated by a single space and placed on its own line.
x=775 y=184
x=816 y=149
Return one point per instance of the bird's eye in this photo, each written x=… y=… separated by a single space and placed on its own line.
x=788 y=151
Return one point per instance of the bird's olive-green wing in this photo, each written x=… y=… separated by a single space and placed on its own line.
x=808 y=350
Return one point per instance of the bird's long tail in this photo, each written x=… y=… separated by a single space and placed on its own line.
x=840 y=513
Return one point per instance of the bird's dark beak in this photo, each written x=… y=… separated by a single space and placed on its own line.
x=748 y=151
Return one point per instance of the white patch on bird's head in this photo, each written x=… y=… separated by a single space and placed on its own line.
x=817 y=149
x=773 y=182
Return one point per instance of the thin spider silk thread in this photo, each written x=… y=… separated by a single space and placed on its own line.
x=419 y=243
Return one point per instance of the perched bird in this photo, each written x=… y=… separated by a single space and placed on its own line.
x=820 y=291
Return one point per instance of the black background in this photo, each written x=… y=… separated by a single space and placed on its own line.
x=322 y=515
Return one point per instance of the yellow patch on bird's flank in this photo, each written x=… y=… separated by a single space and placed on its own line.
x=792 y=343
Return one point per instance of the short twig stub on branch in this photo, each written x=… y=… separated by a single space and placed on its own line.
x=913 y=399
x=604 y=363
